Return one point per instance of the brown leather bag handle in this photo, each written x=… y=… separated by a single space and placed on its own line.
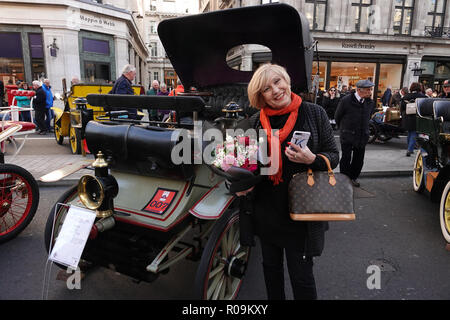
x=332 y=179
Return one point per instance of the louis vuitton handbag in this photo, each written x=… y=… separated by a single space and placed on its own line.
x=321 y=196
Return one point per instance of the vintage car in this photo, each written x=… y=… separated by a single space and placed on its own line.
x=71 y=121
x=151 y=211
x=19 y=191
x=385 y=124
x=431 y=166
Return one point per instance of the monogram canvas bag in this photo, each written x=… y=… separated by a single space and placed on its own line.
x=321 y=196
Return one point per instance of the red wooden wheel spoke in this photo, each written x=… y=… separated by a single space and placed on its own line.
x=16 y=200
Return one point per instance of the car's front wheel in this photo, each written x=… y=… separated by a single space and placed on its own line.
x=444 y=213
x=418 y=174
x=223 y=262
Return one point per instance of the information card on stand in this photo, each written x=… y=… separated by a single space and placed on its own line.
x=73 y=236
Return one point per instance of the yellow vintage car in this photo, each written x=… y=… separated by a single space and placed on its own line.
x=68 y=122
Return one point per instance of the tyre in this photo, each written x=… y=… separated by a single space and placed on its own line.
x=418 y=181
x=58 y=216
x=75 y=140
x=58 y=135
x=224 y=261
x=444 y=213
x=372 y=133
x=19 y=194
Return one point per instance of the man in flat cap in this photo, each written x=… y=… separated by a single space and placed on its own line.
x=352 y=117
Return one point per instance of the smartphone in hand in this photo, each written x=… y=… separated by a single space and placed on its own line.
x=300 y=138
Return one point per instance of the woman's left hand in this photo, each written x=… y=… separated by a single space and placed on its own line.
x=299 y=155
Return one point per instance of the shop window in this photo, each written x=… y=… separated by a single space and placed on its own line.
x=361 y=15
x=170 y=78
x=14 y=47
x=349 y=73
x=321 y=78
x=96 y=46
x=36 y=55
x=316 y=12
x=436 y=13
x=390 y=75
x=97 y=72
x=428 y=67
x=442 y=70
x=11 y=58
x=403 y=16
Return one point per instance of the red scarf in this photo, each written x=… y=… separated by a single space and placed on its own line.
x=283 y=133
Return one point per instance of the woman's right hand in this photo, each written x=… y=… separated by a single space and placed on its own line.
x=244 y=193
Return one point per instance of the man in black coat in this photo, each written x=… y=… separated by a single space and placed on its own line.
x=123 y=85
x=40 y=110
x=352 y=117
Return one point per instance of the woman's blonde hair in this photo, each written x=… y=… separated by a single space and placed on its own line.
x=259 y=80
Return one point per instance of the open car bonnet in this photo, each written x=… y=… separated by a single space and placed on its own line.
x=197 y=45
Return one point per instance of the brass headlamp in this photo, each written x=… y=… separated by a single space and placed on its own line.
x=97 y=192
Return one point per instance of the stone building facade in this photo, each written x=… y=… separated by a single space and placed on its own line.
x=57 y=39
x=392 y=42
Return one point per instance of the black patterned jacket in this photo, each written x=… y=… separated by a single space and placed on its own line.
x=271 y=219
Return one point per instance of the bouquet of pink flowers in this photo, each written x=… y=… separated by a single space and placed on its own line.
x=237 y=151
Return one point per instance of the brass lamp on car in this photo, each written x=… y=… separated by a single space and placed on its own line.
x=97 y=192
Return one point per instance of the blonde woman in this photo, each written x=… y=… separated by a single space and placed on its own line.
x=270 y=91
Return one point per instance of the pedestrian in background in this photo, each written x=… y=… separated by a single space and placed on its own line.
x=330 y=102
x=352 y=118
x=48 y=104
x=40 y=110
x=75 y=80
x=344 y=91
x=153 y=91
x=24 y=102
x=409 y=120
x=270 y=91
x=178 y=89
x=387 y=96
x=446 y=89
x=123 y=85
x=397 y=98
x=164 y=114
x=429 y=93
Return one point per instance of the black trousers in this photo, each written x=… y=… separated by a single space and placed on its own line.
x=352 y=160
x=300 y=273
x=39 y=115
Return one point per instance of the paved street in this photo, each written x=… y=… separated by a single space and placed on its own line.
x=395 y=229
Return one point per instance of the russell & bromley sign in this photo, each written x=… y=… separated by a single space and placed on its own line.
x=358 y=45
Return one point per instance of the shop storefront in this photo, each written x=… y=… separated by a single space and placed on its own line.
x=97 y=57
x=22 y=54
x=337 y=70
x=435 y=70
x=72 y=39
